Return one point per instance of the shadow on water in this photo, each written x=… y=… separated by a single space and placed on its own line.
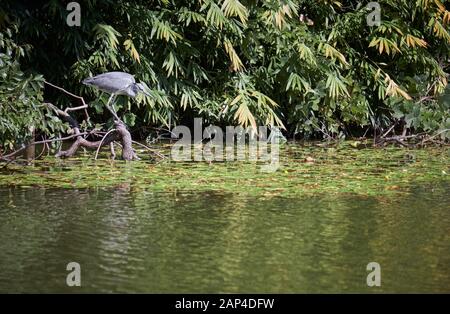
x=144 y=241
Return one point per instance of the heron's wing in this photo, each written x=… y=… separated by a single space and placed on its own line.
x=111 y=82
x=120 y=75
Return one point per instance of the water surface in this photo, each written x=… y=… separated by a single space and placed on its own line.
x=146 y=241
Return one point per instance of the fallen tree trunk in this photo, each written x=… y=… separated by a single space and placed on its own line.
x=128 y=152
x=120 y=133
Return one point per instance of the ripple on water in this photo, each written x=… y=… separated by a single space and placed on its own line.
x=130 y=240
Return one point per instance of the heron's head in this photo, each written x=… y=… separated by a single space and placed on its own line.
x=142 y=88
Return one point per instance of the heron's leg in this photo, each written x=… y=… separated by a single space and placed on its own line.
x=111 y=100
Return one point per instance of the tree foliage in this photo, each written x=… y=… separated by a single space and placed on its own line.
x=311 y=67
x=21 y=107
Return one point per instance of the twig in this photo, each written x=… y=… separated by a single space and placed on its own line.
x=393 y=138
x=42 y=152
x=388 y=131
x=84 y=106
x=8 y=161
x=150 y=150
x=6 y=157
x=101 y=142
x=434 y=136
x=400 y=142
x=113 y=152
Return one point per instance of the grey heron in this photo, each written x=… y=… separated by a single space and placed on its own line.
x=116 y=83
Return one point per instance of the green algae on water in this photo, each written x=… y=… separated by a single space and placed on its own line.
x=304 y=169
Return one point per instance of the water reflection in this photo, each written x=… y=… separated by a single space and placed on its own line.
x=136 y=240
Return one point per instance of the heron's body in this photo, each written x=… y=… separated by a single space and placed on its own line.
x=117 y=83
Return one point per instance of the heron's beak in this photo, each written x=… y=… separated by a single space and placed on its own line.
x=145 y=89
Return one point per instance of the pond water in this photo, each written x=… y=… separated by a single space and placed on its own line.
x=224 y=236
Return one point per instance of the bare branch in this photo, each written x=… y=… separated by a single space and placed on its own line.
x=84 y=106
x=6 y=157
x=149 y=149
x=101 y=142
x=389 y=131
